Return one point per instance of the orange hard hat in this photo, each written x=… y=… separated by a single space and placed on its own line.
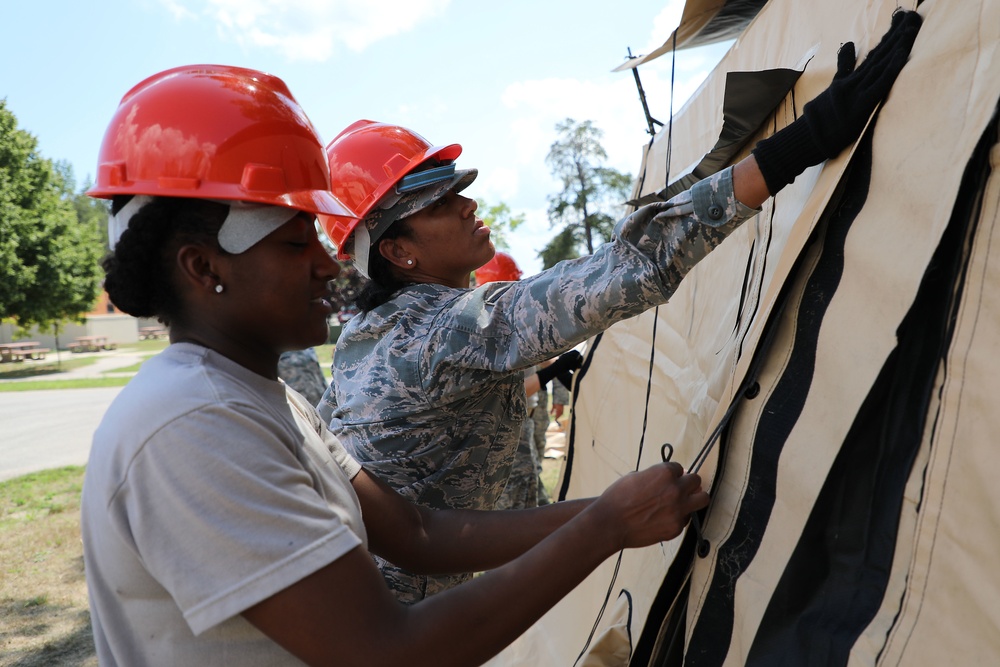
x=501 y=267
x=216 y=132
x=367 y=160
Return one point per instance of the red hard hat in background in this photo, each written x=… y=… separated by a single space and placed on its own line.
x=216 y=132
x=501 y=267
x=366 y=161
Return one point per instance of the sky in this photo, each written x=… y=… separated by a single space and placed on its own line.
x=494 y=77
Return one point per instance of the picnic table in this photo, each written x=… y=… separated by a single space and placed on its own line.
x=91 y=344
x=152 y=333
x=21 y=350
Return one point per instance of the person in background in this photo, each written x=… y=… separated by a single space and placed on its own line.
x=427 y=389
x=560 y=399
x=222 y=523
x=540 y=414
x=301 y=370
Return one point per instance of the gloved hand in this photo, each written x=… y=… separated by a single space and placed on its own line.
x=566 y=363
x=837 y=116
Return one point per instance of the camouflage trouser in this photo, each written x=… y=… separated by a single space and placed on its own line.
x=521 y=491
x=540 y=416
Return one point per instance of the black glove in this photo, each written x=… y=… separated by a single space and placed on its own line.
x=836 y=117
x=566 y=363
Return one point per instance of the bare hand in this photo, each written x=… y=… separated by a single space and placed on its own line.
x=652 y=505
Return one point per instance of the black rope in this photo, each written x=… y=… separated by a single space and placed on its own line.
x=670 y=121
x=652 y=353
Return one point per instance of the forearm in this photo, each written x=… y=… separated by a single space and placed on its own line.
x=489 y=612
x=472 y=541
x=446 y=541
x=749 y=186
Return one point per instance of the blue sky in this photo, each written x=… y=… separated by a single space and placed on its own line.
x=493 y=76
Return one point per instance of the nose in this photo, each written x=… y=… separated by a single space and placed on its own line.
x=469 y=205
x=327 y=268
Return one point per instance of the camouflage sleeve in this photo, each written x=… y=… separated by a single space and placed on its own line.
x=650 y=253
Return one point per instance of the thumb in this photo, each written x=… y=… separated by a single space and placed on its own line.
x=846 y=58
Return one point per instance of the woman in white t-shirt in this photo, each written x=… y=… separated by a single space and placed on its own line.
x=223 y=524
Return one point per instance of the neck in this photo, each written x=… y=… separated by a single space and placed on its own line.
x=260 y=361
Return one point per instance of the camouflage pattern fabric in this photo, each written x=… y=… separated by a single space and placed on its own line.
x=540 y=418
x=428 y=392
x=560 y=394
x=521 y=491
x=301 y=371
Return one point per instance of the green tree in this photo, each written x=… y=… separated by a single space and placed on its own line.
x=592 y=193
x=49 y=259
x=501 y=221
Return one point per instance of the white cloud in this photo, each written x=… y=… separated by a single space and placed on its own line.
x=612 y=102
x=178 y=10
x=499 y=185
x=663 y=25
x=310 y=29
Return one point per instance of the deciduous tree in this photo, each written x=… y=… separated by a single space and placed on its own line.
x=49 y=259
x=592 y=194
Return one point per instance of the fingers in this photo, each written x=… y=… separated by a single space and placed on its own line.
x=901 y=35
x=846 y=57
x=675 y=468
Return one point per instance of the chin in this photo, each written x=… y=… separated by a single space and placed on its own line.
x=318 y=337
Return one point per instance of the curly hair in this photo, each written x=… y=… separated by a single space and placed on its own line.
x=139 y=271
x=384 y=281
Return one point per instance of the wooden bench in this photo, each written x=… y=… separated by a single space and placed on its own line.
x=152 y=333
x=37 y=353
x=18 y=351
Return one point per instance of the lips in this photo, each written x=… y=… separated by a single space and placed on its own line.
x=323 y=301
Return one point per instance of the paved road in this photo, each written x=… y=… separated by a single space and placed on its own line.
x=50 y=428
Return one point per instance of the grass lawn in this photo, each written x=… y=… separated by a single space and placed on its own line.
x=43 y=593
x=40 y=373
x=28 y=369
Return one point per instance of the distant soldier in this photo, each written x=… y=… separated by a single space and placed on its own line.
x=301 y=371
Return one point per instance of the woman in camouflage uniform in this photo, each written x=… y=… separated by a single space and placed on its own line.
x=427 y=387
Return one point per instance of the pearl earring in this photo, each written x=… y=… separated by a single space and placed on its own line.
x=219 y=288
x=409 y=262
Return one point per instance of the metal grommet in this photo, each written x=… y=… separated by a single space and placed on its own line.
x=704 y=548
x=752 y=391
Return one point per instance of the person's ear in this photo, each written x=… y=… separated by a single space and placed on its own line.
x=397 y=253
x=197 y=269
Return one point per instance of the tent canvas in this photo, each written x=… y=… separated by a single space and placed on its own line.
x=844 y=339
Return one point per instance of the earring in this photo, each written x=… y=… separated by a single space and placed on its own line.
x=409 y=262
x=219 y=288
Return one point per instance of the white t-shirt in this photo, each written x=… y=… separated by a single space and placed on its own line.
x=209 y=488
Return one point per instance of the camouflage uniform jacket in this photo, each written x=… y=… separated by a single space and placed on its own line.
x=300 y=370
x=427 y=388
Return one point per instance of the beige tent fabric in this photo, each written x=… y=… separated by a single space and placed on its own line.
x=946 y=559
x=943 y=601
x=694 y=28
x=915 y=176
x=612 y=646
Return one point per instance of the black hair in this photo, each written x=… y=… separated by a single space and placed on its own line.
x=384 y=281
x=139 y=272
